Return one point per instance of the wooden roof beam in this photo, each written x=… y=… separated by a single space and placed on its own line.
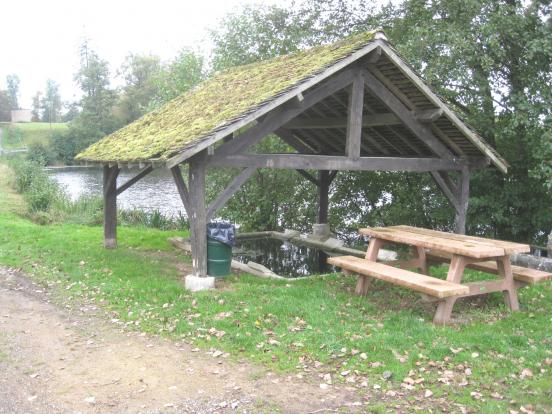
x=425 y=116
x=341 y=122
x=329 y=162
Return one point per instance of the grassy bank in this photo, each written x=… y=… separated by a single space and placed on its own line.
x=313 y=325
x=24 y=134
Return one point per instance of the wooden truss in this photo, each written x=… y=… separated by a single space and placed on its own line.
x=303 y=122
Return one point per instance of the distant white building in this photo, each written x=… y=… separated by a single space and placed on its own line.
x=21 y=115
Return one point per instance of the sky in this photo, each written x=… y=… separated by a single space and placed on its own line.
x=40 y=39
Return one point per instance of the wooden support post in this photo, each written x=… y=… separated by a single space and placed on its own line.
x=354 y=122
x=110 y=205
x=323 y=194
x=463 y=194
x=198 y=214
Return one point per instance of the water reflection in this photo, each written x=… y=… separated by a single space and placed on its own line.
x=156 y=191
x=283 y=258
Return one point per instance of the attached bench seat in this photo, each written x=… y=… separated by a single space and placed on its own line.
x=415 y=281
x=521 y=274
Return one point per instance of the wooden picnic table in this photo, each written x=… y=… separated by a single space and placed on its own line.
x=462 y=251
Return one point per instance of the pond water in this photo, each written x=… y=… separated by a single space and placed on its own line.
x=156 y=191
x=283 y=258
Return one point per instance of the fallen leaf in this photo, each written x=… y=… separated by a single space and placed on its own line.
x=526 y=373
x=90 y=400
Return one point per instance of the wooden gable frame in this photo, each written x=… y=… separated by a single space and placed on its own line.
x=360 y=114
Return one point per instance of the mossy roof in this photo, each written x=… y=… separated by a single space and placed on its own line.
x=217 y=102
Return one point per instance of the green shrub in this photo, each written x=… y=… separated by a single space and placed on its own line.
x=154 y=219
x=87 y=209
x=40 y=153
x=63 y=147
x=38 y=189
x=42 y=193
x=25 y=173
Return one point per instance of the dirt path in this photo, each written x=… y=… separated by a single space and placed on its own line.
x=56 y=361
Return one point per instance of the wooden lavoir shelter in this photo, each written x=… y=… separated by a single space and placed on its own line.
x=351 y=105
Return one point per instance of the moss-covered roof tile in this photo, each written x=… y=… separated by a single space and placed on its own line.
x=219 y=101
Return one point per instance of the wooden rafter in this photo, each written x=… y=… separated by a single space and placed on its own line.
x=284 y=115
x=409 y=73
x=397 y=107
x=315 y=80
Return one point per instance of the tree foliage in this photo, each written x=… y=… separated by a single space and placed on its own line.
x=96 y=118
x=177 y=76
x=490 y=59
x=50 y=104
x=13 y=82
x=5 y=107
x=139 y=73
x=35 y=111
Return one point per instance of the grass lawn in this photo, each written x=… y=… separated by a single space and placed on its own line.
x=17 y=135
x=494 y=362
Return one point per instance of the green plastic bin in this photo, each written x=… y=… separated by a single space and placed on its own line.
x=219 y=258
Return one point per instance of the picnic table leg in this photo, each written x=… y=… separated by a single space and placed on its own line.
x=371 y=254
x=510 y=294
x=444 y=308
x=422 y=261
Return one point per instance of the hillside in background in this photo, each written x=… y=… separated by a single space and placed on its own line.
x=23 y=134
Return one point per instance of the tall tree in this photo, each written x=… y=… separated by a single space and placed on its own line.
x=258 y=32
x=13 y=82
x=139 y=73
x=492 y=59
x=96 y=117
x=35 y=112
x=98 y=98
x=5 y=107
x=50 y=104
x=177 y=76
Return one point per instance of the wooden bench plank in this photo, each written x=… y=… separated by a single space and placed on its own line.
x=509 y=247
x=464 y=248
x=415 y=281
x=521 y=274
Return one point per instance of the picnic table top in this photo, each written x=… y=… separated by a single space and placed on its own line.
x=470 y=246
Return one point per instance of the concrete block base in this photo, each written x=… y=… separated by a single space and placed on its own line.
x=197 y=283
